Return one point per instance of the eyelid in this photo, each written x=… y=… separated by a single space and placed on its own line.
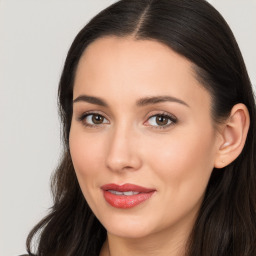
x=82 y=116
x=171 y=117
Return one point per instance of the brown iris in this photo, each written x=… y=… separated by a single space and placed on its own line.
x=97 y=119
x=162 y=120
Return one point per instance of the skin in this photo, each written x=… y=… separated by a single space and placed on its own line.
x=129 y=146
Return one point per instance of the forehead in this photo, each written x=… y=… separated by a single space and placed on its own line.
x=132 y=57
x=127 y=68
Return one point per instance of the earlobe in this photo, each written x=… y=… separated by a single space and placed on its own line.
x=233 y=134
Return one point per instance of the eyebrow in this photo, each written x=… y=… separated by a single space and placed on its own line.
x=141 y=102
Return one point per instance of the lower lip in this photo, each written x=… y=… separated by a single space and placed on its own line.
x=125 y=202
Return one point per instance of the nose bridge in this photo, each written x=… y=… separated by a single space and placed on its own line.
x=122 y=151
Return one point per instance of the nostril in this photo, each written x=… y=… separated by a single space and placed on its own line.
x=128 y=163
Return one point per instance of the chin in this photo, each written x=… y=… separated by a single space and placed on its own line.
x=128 y=226
x=129 y=233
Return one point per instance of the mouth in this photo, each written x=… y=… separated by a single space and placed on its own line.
x=127 y=195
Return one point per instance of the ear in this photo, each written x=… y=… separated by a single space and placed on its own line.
x=232 y=136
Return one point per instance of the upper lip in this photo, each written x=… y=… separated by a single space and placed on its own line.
x=126 y=187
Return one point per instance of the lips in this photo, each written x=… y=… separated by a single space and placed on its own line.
x=127 y=195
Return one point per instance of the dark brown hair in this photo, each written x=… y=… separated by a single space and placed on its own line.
x=226 y=223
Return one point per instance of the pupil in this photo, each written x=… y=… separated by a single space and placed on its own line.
x=161 y=120
x=97 y=119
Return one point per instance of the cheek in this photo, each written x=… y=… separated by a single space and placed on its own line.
x=185 y=159
x=87 y=157
x=182 y=167
x=86 y=153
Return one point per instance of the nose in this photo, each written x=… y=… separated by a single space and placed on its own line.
x=123 y=151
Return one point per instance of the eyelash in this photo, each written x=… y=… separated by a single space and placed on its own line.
x=173 y=120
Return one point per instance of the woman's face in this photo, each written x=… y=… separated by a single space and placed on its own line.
x=142 y=140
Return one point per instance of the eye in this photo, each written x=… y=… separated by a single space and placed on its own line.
x=161 y=120
x=93 y=119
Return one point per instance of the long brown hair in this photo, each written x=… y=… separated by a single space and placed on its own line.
x=226 y=223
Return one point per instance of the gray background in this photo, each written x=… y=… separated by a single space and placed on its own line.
x=34 y=38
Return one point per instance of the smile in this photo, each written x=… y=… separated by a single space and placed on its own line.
x=126 y=196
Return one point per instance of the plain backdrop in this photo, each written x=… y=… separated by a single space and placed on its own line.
x=34 y=39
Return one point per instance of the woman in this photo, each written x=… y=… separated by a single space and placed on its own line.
x=158 y=125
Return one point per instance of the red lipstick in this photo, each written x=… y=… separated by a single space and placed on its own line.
x=126 y=196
